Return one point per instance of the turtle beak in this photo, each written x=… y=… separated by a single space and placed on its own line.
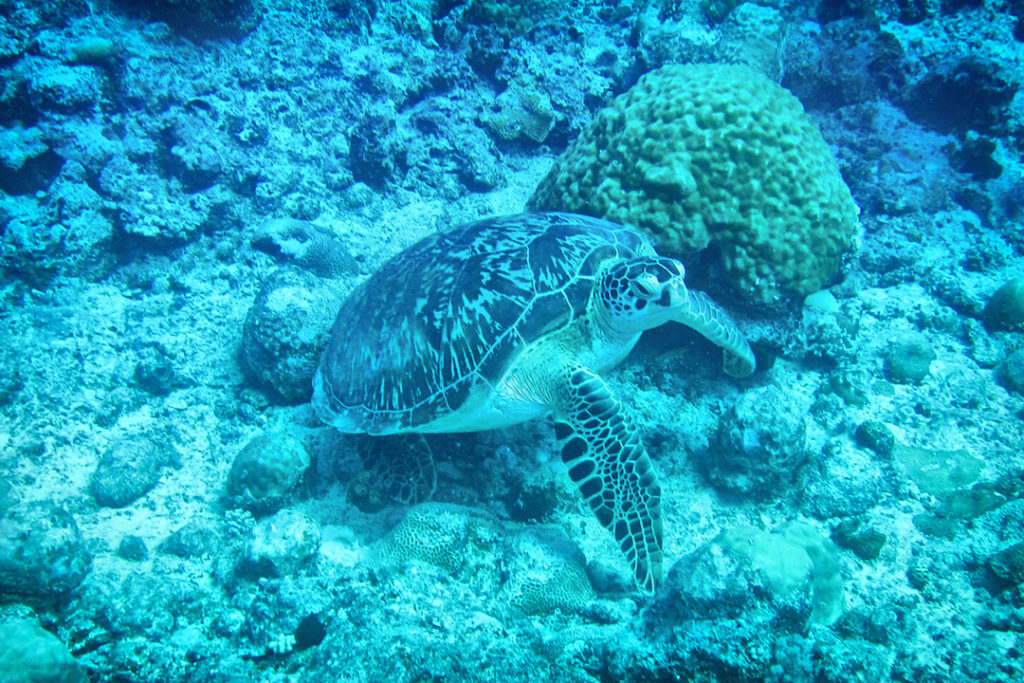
x=673 y=286
x=675 y=295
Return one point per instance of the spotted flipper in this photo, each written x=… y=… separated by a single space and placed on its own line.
x=609 y=464
x=396 y=469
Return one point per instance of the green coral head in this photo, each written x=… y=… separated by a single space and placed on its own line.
x=716 y=154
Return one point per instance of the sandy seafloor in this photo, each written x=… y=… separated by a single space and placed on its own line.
x=169 y=169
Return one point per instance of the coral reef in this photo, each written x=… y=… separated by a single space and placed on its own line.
x=189 y=189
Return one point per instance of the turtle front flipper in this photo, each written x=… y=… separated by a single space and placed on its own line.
x=705 y=316
x=609 y=464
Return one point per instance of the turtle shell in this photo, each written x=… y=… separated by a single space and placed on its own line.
x=448 y=315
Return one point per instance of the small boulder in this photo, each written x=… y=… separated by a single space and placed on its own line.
x=267 y=471
x=908 y=358
x=1011 y=372
x=285 y=331
x=759 y=446
x=194 y=539
x=1006 y=307
x=42 y=553
x=30 y=654
x=127 y=471
x=281 y=545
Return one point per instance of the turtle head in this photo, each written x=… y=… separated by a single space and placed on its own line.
x=639 y=293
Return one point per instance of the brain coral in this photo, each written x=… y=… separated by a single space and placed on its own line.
x=546 y=573
x=452 y=537
x=537 y=570
x=714 y=154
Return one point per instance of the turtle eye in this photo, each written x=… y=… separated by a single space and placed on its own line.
x=645 y=286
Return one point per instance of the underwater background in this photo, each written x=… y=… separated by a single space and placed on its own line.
x=190 y=189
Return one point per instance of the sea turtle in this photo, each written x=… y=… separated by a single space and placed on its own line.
x=509 y=318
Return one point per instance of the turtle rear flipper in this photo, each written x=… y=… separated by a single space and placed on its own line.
x=397 y=468
x=609 y=464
